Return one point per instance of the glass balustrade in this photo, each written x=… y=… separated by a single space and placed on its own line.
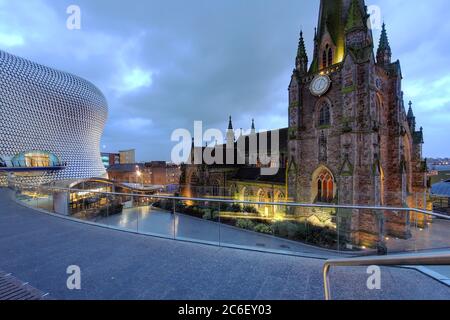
x=282 y=227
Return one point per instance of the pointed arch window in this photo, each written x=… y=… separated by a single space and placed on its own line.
x=324 y=114
x=327 y=57
x=325 y=187
x=216 y=189
x=330 y=57
x=261 y=198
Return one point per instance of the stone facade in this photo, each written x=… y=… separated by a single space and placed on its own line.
x=238 y=181
x=367 y=143
x=351 y=144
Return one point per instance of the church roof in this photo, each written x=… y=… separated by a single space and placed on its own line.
x=254 y=175
x=283 y=141
x=441 y=189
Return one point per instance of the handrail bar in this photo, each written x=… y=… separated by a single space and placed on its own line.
x=435 y=259
x=287 y=204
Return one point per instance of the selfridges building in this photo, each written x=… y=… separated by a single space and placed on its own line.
x=51 y=124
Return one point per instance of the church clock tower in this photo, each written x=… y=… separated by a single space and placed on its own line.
x=349 y=137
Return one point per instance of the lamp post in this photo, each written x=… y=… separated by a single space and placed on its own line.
x=139 y=174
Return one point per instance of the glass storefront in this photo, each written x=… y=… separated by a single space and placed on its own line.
x=35 y=159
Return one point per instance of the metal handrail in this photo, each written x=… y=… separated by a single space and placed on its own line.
x=287 y=204
x=435 y=259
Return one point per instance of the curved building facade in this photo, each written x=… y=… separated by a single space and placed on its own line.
x=51 y=122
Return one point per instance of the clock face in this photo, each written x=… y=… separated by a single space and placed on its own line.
x=320 y=85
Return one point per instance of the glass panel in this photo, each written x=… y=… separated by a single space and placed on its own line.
x=44 y=198
x=197 y=221
x=118 y=212
x=247 y=226
x=155 y=217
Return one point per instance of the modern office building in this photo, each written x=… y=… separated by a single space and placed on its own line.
x=51 y=123
x=127 y=156
x=110 y=159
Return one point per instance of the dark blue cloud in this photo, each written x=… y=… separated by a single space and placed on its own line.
x=164 y=64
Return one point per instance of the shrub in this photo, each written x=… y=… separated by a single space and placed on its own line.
x=263 y=228
x=286 y=229
x=250 y=209
x=245 y=224
x=235 y=208
x=207 y=214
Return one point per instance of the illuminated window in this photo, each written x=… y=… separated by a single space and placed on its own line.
x=327 y=57
x=325 y=187
x=261 y=198
x=35 y=159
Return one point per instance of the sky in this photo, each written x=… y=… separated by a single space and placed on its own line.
x=164 y=64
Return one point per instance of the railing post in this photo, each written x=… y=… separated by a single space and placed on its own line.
x=107 y=206
x=174 y=217
x=137 y=211
x=338 y=218
x=220 y=226
x=326 y=281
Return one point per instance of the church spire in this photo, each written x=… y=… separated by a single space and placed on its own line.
x=384 y=53
x=301 y=62
x=253 y=127
x=336 y=19
x=355 y=19
x=411 y=118
x=230 y=132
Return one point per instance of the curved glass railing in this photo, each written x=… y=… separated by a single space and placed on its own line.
x=282 y=227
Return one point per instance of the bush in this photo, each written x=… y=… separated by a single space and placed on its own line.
x=263 y=228
x=250 y=209
x=207 y=214
x=235 y=208
x=245 y=224
x=286 y=229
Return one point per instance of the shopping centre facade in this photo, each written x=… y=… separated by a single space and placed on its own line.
x=51 y=123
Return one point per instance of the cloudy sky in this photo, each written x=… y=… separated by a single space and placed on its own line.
x=164 y=64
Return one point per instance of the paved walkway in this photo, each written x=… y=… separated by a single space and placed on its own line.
x=38 y=248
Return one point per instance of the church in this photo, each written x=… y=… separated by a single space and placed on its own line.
x=349 y=138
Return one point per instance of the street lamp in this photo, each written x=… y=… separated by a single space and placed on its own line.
x=139 y=174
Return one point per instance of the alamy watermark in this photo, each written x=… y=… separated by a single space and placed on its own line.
x=250 y=148
x=374 y=280
x=374 y=22
x=74 y=280
x=73 y=21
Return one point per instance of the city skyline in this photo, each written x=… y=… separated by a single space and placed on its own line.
x=161 y=69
